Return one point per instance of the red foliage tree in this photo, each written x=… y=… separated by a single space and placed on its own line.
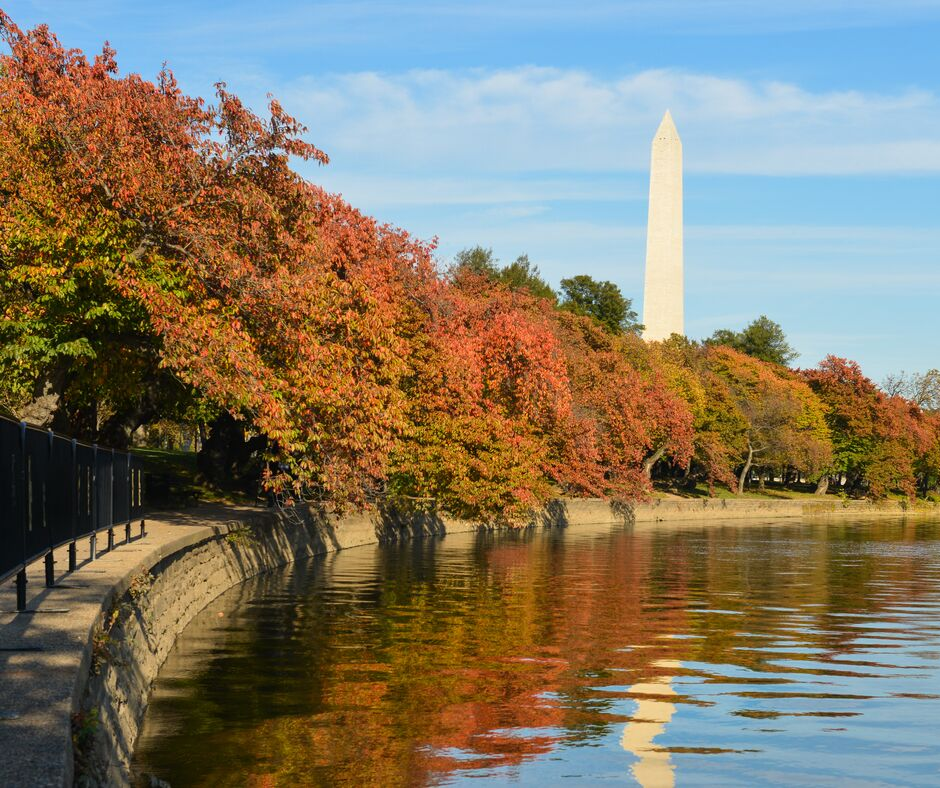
x=277 y=301
x=876 y=438
x=487 y=389
x=622 y=419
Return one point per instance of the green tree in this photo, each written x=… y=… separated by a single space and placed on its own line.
x=602 y=301
x=476 y=260
x=522 y=275
x=763 y=339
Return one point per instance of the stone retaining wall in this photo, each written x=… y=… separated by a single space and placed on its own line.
x=674 y=509
x=152 y=605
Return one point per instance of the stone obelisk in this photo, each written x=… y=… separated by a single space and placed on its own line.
x=662 y=292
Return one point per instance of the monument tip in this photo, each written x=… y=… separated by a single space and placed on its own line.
x=667 y=128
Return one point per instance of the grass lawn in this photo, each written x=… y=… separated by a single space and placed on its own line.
x=770 y=492
x=173 y=479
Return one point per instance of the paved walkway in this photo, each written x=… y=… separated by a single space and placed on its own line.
x=44 y=651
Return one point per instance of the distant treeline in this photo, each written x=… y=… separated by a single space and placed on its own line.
x=163 y=262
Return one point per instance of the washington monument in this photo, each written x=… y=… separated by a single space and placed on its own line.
x=662 y=292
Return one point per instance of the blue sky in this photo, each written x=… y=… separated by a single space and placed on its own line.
x=811 y=137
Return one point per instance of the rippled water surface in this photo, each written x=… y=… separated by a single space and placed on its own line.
x=801 y=654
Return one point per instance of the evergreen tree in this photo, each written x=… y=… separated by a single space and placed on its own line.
x=762 y=338
x=602 y=301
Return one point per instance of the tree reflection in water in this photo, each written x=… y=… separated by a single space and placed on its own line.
x=789 y=651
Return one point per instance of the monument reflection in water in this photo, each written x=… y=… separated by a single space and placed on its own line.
x=654 y=709
x=722 y=654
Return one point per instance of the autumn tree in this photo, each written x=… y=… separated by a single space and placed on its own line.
x=876 y=437
x=146 y=234
x=487 y=389
x=927 y=462
x=719 y=425
x=907 y=451
x=785 y=422
x=624 y=418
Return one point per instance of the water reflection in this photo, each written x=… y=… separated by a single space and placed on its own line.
x=723 y=654
x=654 y=709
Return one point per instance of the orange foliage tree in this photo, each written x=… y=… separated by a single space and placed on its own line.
x=785 y=424
x=877 y=438
x=927 y=464
x=719 y=426
x=160 y=255
x=624 y=418
x=128 y=203
x=512 y=400
x=487 y=388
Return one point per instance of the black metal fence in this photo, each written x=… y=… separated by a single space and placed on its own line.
x=54 y=491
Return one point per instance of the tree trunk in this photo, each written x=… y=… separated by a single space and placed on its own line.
x=822 y=486
x=746 y=470
x=118 y=430
x=852 y=483
x=650 y=461
x=227 y=459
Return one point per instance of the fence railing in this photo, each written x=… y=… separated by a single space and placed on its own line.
x=55 y=490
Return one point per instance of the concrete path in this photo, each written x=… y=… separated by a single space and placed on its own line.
x=45 y=652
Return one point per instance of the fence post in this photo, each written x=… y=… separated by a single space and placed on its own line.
x=140 y=500
x=127 y=496
x=93 y=492
x=73 y=499
x=50 y=570
x=111 y=504
x=21 y=590
x=24 y=520
x=50 y=558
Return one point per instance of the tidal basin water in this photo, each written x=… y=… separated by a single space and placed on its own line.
x=719 y=654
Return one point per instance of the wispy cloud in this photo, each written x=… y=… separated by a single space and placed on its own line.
x=468 y=189
x=533 y=119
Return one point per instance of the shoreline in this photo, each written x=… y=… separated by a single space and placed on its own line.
x=88 y=649
x=667 y=509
